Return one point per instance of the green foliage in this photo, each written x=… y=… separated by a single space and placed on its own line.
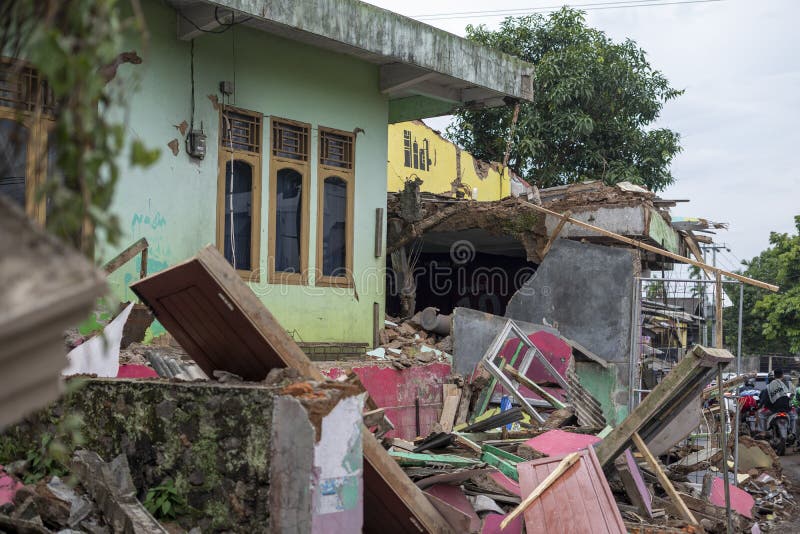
x=771 y=321
x=51 y=456
x=164 y=501
x=656 y=290
x=75 y=45
x=594 y=101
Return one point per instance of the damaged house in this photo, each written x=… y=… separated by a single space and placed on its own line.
x=272 y=117
x=464 y=237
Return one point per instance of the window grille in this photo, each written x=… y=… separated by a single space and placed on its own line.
x=241 y=131
x=22 y=88
x=289 y=140
x=336 y=149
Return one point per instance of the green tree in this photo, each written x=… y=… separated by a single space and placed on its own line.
x=77 y=46
x=770 y=321
x=594 y=102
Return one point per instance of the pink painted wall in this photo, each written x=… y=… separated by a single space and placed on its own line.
x=396 y=391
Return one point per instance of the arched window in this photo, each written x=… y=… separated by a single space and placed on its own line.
x=289 y=202
x=335 y=210
x=239 y=190
x=288 y=221
x=238 y=213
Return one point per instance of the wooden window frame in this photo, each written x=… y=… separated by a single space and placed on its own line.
x=225 y=155
x=348 y=175
x=39 y=123
x=303 y=167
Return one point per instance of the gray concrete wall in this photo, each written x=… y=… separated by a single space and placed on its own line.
x=586 y=291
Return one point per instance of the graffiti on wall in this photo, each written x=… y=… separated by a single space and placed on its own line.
x=417 y=154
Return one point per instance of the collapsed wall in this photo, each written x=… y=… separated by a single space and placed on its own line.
x=586 y=291
x=243 y=456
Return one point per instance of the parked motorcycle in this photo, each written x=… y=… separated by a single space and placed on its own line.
x=778 y=432
x=748 y=412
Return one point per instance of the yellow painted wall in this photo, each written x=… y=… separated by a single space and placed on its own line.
x=415 y=150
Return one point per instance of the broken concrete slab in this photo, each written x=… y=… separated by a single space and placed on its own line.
x=47 y=288
x=755 y=454
x=111 y=487
x=580 y=284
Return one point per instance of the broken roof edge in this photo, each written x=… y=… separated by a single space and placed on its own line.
x=396 y=38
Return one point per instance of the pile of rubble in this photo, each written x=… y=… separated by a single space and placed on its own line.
x=423 y=338
x=485 y=465
x=99 y=498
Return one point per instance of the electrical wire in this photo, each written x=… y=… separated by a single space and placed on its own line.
x=545 y=9
x=225 y=26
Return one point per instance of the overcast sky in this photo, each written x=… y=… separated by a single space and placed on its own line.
x=739 y=62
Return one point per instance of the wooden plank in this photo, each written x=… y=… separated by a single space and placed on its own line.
x=560 y=469
x=683 y=510
x=655 y=250
x=463 y=405
x=450 y=398
x=578 y=501
x=564 y=218
x=378 y=232
x=377 y=324
x=508 y=469
x=533 y=386
x=634 y=483
x=500 y=453
x=419 y=459
x=126 y=255
x=392 y=503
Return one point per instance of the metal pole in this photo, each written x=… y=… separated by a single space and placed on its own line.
x=723 y=416
x=636 y=342
x=738 y=372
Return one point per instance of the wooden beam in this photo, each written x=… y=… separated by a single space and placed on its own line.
x=450 y=398
x=683 y=510
x=564 y=219
x=378 y=232
x=718 y=312
x=128 y=254
x=530 y=384
x=650 y=248
x=562 y=467
x=665 y=402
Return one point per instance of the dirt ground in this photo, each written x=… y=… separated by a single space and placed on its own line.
x=791 y=471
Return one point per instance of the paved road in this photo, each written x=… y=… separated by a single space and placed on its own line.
x=791 y=472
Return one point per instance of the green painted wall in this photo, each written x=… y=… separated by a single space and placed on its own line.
x=173 y=203
x=605 y=386
x=662 y=232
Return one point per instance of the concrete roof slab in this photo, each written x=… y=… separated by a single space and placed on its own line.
x=416 y=59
